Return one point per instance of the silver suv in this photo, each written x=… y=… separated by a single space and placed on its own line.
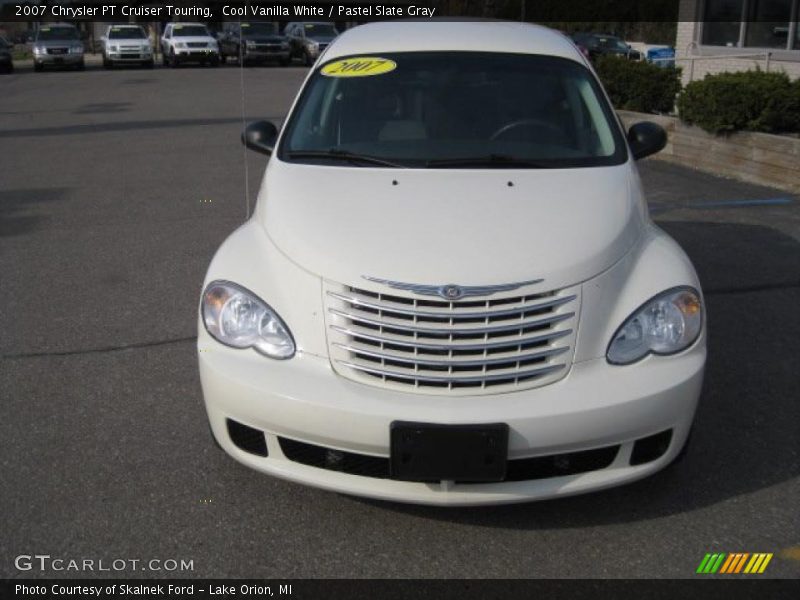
x=58 y=45
x=126 y=44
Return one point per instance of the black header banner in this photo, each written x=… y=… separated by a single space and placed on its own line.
x=342 y=10
x=385 y=589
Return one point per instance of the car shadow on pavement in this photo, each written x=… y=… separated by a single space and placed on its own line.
x=746 y=430
x=18 y=209
x=117 y=126
x=103 y=107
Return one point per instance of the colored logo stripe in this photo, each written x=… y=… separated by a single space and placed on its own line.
x=734 y=563
x=711 y=563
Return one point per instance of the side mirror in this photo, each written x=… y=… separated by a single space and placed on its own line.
x=260 y=136
x=646 y=138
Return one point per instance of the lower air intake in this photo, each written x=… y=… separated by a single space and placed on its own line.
x=523 y=469
x=247 y=439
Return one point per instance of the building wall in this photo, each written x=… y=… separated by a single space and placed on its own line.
x=714 y=58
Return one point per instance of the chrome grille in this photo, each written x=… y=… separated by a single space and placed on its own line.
x=503 y=342
x=196 y=45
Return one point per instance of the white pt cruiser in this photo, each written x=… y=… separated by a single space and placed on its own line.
x=451 y=291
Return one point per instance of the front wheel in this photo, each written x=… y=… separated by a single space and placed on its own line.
x=80 y=66
x=38 y=67
x=284 y=62
x=307 y=60
x=149 y=64
x=173 y=60
x=222 y=59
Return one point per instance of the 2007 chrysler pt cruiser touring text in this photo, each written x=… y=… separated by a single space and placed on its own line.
x=451 y=291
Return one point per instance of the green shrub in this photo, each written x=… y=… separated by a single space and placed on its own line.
x=639 y=86
x=750 y=100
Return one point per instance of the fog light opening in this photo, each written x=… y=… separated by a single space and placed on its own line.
x=650 y=448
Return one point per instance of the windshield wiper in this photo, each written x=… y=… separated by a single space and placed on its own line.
x=489 y=160
x=336 y=154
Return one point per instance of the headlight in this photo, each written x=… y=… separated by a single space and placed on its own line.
x=76 y=49
x=250 y=44
x=180 y=44
x=665 y=324
x=284 y=45
x=113 y=48
x=240 y=319
x=38 y=50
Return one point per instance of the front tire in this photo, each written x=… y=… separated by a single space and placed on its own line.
x=307 y=60
x=107 y=64
x=173 y=60
x=38 y=67
x=81 y=66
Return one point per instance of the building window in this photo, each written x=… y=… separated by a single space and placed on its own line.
x=768 y=23
x=722 y=22
x=751 y=24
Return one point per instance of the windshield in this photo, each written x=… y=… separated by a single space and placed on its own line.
x=190 y=30
x=259 y=29
x=612 y=43
x=320 y=30
x=57 y=33
x=432 y=108
x=126 y=33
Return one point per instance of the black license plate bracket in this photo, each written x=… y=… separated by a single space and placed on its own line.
x=430 y=452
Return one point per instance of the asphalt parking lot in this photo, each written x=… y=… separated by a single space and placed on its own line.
x=116 y=187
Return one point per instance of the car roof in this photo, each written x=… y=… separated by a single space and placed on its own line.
x=465 y=36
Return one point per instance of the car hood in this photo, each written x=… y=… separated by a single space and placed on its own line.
x=129 y=41
x=195 y=38
x=441 y=226
x=58 y=43
x=265 y=39
x=322 y=39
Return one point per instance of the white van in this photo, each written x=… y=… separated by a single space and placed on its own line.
x=451 y=291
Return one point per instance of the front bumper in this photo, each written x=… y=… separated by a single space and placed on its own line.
x=58 y=59
x=595 y=406
x=132 y=56
x=196 y=54
x=258 y=54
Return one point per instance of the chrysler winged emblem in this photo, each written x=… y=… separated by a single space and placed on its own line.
x=451 y=291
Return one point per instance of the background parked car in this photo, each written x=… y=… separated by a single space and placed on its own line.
x=260 y=42
x=59 y=45
x=188 y=42
x=23 y=37
x=308 y=39
x=603 y=45
x=6 y=63
x=126 y=44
